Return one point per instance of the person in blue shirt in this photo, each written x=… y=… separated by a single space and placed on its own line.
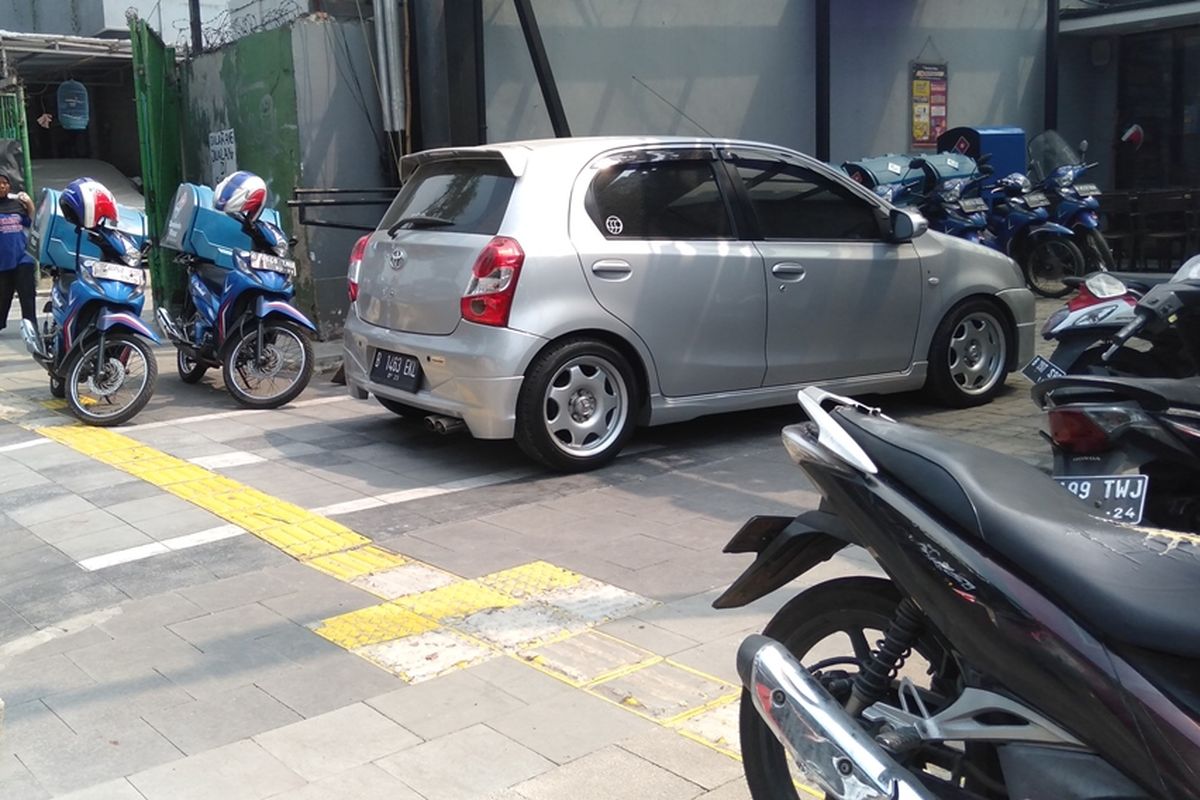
x=17 y=269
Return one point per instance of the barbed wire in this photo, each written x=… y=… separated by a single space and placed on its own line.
x=233 y=24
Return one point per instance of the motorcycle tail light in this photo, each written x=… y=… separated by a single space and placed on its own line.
x=1054 y=321
x=1085 y=431
x=356 y=256
x=489 y=294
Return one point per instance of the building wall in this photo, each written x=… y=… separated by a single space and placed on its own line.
x=342 y=145
x=738 y=69
x=1087 y=100
x=994 y=51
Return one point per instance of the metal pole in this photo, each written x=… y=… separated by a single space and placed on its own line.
x=197 y=35
x=382 y=71
x=541 y=67
x=1051 y=113
x=480 y=96
x=822 y=78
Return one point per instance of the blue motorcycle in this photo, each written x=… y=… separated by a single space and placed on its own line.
x=1057 y=168
x=237 y=313
x=951 y=205
x=1018 y=216
x=93 y=343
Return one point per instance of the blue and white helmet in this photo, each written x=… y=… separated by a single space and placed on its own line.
x=87 y=203
x=242 y=194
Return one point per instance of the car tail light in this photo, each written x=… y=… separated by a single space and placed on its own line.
x=1084 y=431
x=356 y=256
x=488 y=297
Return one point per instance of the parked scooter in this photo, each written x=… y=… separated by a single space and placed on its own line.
x=1129 y=444
x=1018 y=216
x=90 y=345
x=1057 y=168
x=952 y=205
x=237 y=314
x=1161 y=308
x=1019 y=646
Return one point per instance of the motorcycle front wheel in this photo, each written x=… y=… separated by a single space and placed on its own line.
x=110 y=387
x=831 y=629
x=276 y=375
x=1048 y=261
x=1097 y=256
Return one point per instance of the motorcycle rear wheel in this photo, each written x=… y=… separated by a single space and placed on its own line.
x=860 y=610
x=1047 y=261
x=1097 y=255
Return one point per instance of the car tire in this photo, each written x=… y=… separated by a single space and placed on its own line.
x=576 y=407
x=968 y=358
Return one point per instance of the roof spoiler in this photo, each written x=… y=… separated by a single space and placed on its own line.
x=513 y=158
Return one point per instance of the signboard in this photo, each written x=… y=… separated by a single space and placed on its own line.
x=222 y=152
x=929 y=85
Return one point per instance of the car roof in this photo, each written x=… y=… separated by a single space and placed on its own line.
x=56 y=173
x=573 y=148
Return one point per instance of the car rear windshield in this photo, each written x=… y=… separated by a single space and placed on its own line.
x=461 y=196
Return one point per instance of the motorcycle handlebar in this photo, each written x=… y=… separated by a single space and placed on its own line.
x=1125 y=334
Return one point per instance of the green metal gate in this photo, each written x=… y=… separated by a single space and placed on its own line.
x=12 y=126
x=156 y=84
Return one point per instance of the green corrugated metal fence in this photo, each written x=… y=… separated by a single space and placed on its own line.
x=12 y=126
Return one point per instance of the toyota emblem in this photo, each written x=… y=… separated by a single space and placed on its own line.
x=397 y=258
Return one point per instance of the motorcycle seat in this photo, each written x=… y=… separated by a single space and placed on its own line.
x=1153 y=394
x=1129 y=585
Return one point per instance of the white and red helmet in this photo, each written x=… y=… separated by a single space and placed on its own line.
x=242 y=194
x=87 y=203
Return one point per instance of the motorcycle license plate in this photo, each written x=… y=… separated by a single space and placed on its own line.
x=972 y=205
x=1087 y=189
x=1037 y=199
x=270 y=263
x=107 y=271
x=1042 y=369
x=396 y=369
x=1121 y=498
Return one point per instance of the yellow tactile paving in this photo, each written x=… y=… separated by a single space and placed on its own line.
x=372 y=625
x=589 y=657
x=528 y=580
x=357 y=563
x=456 y=600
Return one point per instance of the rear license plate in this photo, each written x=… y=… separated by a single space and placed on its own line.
x=107 y=271
x=972 y=204
x=396 y=369
x=270 y=263
x=1121 y=498
x=1087 y=189
x=1036 y=199
x=1042 y=369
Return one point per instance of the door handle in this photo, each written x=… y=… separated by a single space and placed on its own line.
x=612 y=269
x=788 y=271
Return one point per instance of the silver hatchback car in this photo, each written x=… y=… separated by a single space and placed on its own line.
x=562 y=292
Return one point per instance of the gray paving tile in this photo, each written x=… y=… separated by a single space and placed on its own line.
x=238 y=555
x=137 y=616
x=58 y=644
x=48 y=457
x=591 y=778
x=238 y=771
x=554 y=728
x=116 y=703
x=149 y=508
x=17 y=476
x=168 y=526
x=119 y=789
x=59 y=594
x=648 y=636
x=220 y=670
x=701 y=765
x=54 y=508
x=162 y=573
x=199 y=725
x=249 y=587
x=325 y=745
x=84 y=759
x=89 y=543
x=17 y=539
x=446 y=704
x=435 y=769
x=326 y=682
x=734 y=790
x=87 y=476
x=107 y=496
x=313 y=603
x=154 y=648
x=518 y=679
x=367 y=782
x=18 y=783
x=240 y=623
x=95 y=519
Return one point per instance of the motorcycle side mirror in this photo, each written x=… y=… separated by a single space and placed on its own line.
x=905 y=225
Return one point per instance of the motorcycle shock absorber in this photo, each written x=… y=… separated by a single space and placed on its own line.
x=875 y=677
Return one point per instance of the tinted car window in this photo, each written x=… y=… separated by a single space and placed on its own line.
x=659 y=200
x=469 y=196
x=792 y=202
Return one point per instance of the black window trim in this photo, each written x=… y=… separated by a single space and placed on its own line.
x=734 y=216
x=728 y=155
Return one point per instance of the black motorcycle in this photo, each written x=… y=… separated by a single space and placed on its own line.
x=1019 y=647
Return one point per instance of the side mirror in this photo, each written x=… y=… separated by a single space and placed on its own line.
x=983 y=159
x=906 y=225
x=1083 y=146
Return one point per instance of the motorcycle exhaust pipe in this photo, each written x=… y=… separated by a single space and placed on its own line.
x=831 y=749
x=33 y=342
x=444 y=425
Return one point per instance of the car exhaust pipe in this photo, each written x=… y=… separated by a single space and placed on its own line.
x=33 y=342
x=834 y=753
x=444 y=425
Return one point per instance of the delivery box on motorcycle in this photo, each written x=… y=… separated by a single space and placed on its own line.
x=52 y=240
x=196 y=228
x=1004 y=145
x=878 y=171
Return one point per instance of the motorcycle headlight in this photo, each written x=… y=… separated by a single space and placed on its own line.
x=1104 y=286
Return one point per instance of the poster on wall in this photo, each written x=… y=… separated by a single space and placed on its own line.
x=928 y=85
x=222 y=151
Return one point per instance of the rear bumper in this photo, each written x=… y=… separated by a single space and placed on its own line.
x=1021 y=305
x=473 y=374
